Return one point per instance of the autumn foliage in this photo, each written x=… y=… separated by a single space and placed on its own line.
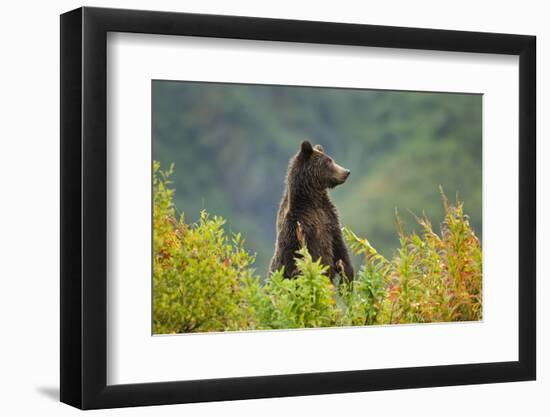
x=204 y=279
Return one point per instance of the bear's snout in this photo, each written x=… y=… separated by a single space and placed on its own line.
x=342 y=174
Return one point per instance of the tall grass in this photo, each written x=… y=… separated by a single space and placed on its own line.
x=204 y=280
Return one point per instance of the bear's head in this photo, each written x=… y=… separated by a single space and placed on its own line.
x=314 y=169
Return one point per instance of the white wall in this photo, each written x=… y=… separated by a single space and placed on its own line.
x=29 y=224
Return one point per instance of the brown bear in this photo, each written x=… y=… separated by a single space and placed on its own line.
x=306 y=214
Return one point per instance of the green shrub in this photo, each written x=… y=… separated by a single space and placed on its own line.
x=204 y=280
x=431 y=278
x=305 y=301
x=197 y=270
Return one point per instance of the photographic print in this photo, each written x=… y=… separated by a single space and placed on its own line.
x=292 y=207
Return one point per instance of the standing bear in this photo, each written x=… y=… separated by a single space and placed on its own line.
x=306 y=214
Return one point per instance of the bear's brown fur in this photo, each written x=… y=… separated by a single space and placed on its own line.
x=306 y=214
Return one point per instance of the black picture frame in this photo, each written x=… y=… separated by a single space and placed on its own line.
x=84 y=207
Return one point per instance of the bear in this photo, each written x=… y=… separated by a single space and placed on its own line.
x=307 y=215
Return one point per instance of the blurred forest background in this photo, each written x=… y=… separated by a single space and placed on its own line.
x=231 y=143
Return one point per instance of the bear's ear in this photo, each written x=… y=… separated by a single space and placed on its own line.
x=319 y=148
x=306 y=148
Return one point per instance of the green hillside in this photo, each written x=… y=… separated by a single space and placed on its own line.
x=231 y=145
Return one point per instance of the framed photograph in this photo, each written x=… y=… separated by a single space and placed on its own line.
x=258 y=208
